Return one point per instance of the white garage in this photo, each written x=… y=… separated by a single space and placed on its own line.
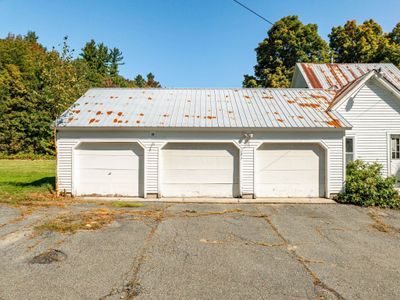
x=200 y=170
x=290 y=170
x=109 y=169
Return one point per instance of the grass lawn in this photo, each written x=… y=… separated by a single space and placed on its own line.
x=19 y=178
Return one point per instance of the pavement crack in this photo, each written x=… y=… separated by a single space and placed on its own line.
x=320 y=287
x=131 y=286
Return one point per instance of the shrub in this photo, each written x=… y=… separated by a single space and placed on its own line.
x=366 y=186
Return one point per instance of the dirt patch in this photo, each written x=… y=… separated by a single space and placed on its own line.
x=93 y=219
x=48 y=257
x=72 y=222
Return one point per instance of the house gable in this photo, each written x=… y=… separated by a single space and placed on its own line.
x=373 y=110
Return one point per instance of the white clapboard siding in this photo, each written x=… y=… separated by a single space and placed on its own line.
x=373 y=112
x=247 y=166
x=152 y=151
x=64 y=165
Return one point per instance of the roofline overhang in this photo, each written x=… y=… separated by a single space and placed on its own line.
x=112 y=128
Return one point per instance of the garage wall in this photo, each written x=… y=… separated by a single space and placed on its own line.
x=67 y=139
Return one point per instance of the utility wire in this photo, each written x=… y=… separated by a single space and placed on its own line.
x=252 y=11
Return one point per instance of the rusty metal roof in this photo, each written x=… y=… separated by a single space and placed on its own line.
x=336 y=76
x=203 y=108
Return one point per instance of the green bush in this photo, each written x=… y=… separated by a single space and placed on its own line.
x=365 y=186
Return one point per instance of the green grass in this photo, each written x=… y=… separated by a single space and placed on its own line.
x=126 y=204
x=19 y=178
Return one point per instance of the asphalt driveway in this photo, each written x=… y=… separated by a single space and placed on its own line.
x=202 y=251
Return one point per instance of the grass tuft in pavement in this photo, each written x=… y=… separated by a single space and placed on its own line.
x=126 y=204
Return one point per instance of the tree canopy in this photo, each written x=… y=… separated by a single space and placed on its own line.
x=37 y=85
x=290 y=41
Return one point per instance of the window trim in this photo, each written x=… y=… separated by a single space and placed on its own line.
x=354 y=153
x=395 y=152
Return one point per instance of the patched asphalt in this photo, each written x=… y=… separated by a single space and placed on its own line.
x=205 y=251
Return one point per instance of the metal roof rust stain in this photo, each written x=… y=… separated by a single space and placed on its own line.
x=311 y=76
x=335 y=122
x=130 y=97
x=276 y=113
x=141 y=114
x=137 y=121
x=99 y=113
x=186 y=116
x=119 y=113
x=311 y=105
x=267 y=97
x=91 y=121
x=247 y=97
x=109 y=112
x=165 y=115
x=210 y=117
x=280 y=120
x=115 y=120
x=149 y=98
x=300 y=117
x=76 y=111
x=291 y=101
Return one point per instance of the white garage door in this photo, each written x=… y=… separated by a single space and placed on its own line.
x=109 y=169
x=200 y=170
x=290 y=170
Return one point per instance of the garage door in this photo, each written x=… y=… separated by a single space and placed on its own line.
x=200 y=170
x=109 y=169
x=290 y=170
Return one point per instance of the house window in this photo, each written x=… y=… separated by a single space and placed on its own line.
x=349 y=149
x=396 y=148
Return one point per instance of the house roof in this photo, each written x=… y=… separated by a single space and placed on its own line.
x=203 y=108
x=336 y=76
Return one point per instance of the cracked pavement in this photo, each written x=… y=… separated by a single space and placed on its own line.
x=207 y=251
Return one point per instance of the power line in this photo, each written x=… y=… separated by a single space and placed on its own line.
x=252 y=11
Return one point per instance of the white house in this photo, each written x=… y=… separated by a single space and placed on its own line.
x=368 y=97
x=227 y=142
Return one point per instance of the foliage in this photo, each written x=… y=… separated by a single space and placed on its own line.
x=366 y=186
x=365 y=43
x=289 y=41
x=37 y=85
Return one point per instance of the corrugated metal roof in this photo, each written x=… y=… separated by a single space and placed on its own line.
x=336 y=76
x=203 y=108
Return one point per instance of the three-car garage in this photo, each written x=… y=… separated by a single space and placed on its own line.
x=188 y=169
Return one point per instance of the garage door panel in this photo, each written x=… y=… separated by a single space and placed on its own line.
x=296 y=190
x=288 y=177
x=109 y=169
x=198 y=176
x=197 y=162
x=201 y=190
x=200 y=170
x=112 y=162
x=290 y=170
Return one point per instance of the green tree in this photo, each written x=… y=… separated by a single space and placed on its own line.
x=151 y=82
x=116 y=59
x=289 y=41
x=139 y=81
x=365 y=43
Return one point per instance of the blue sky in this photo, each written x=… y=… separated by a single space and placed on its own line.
x=185 y=43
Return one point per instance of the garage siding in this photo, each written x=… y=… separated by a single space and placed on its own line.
x=64 y=165
x=66 y=141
